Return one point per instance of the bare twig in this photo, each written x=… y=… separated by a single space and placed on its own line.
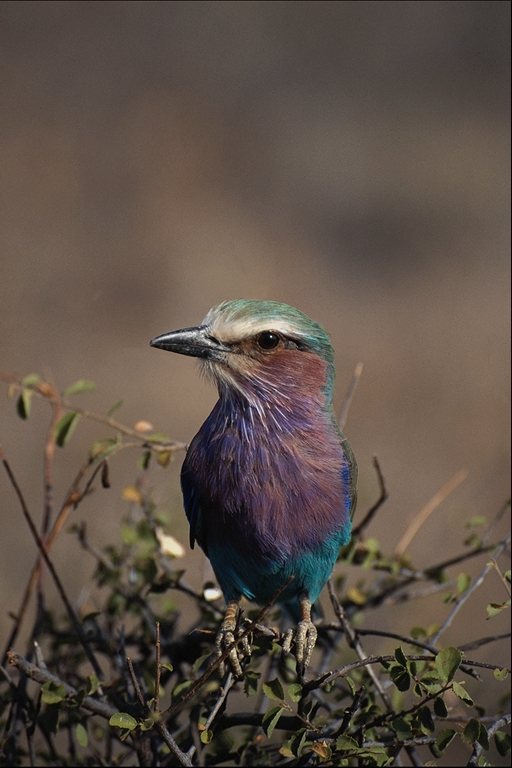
x=501 y=722
x=412 y=641
x=347 y=400
x=43 y=390
x=483 y=641
x=370 y=660
x=73 y=497
x=492 y=525
x=44 y=676
x=158 y=669
x=422 y=516
x=353 y=641
x=60 y=588
x=135 y=683
x=430 y=573
x=358 y=530
x=350 y=712
x=229 y=683
x=469 y=592
x=173 y=746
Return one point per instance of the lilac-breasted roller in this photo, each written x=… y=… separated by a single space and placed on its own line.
x=269 y=481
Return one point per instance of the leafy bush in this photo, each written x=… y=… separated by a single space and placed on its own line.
x=136 y=682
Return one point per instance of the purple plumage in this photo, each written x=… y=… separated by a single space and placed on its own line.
x=264 y=486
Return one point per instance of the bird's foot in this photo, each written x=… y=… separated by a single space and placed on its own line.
x=226 y=643
x=303 y=638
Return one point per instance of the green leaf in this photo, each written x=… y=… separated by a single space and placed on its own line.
x=158 y=437
x=163 y=458
x=426 y=721
x=103 y=448
x=431 y=683
x=181 y=688
x=123 y=720
x=502 y=741
x=447 y=663
x=49 y=718
x=476 y=521
x=347 y=743
x=65 y=428
x=298 y=741
x=351 y=685
x=401 y=727
x=81 y=735
x=500 y=674
x=31 y=379
x=271 y=719
x=94 y=684
x=295 y=692
x=273 y=690
x=473 y=541
x=483 y=737
x=476 y=731
x=144 y=459
x=148 y=723
x=443 y=739
x=400 y=677
x=440 y=707
x=206 y=736
x=23 y=403
x=463 y=582
x=471 y=732
x=115 y=407
x=462 y=694
x=82 y=385
x=400 y=656
x=493 y=609
x=168 y=666
x=52 y=693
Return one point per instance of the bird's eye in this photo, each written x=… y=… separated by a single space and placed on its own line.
x=268 y=340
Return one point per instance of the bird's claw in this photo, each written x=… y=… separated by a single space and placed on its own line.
x=227 y=645
x=303 y=638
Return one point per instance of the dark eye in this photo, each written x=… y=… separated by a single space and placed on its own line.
x=268 y=340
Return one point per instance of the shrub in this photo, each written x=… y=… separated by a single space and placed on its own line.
x=137 y=682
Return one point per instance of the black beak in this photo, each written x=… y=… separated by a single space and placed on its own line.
x=191 y=341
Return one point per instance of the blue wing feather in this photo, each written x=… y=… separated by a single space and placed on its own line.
x=192 y=508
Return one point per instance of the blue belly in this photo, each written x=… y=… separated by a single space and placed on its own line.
x=265 y=581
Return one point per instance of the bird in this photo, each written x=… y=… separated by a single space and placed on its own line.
x=269 y=481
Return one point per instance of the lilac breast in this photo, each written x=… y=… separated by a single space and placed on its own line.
x=267 y=481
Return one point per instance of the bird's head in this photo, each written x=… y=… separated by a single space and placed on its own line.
x=260 y=349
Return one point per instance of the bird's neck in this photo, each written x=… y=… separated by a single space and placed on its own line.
x=296 y=388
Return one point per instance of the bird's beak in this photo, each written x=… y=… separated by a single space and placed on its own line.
x=195 y=342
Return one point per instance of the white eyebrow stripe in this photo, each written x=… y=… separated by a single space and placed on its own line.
x=236 y=330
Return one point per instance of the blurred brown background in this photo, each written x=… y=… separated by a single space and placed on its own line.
x=349 y=158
